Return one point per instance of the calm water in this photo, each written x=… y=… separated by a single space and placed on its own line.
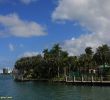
x=46 y=91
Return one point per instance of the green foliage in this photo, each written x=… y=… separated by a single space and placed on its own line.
x=56 y=63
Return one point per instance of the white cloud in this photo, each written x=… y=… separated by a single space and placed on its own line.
x=76 y=46
x=30 y=54
x=92 y=14
x=11 y=47
x=27 y=1
x=13 y=25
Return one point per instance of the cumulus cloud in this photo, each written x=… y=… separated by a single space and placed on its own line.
x=11 y=47
x=76 y=46
x=27 y=1
x=12 y=25
x=92 y=14
x=30 y=54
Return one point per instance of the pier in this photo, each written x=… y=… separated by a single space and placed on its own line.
x=93 y=81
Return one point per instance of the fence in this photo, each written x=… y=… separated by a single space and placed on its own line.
x=85 y=78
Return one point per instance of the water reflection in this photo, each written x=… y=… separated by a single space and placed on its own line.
x=49 y=91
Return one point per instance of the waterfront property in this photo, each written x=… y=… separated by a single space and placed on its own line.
x=1 y=71
x=57 y=65
x=90 y=80
x=5 y=71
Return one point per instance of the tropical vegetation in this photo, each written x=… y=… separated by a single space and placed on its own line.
x=57 y=63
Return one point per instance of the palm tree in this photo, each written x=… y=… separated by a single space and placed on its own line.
x=89 y=56
x=46 y=53
x=56 y=53
x=103 y=54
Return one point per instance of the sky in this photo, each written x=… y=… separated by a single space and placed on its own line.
x=29 y=26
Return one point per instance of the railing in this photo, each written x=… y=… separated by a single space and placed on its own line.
x=88 y=78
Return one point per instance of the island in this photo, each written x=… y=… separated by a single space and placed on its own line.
x=56 y=65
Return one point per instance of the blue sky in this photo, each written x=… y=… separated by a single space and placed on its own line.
x=29 y=26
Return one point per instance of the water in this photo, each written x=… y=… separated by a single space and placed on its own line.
x=47 y=91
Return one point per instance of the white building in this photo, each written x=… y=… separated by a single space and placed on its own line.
x=1 y=71
x=6 y=71
x=9 y=70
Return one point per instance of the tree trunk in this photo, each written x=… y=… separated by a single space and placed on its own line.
x=65 y=71
x=58 y=72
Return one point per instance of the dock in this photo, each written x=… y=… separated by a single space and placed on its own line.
x=92 y=81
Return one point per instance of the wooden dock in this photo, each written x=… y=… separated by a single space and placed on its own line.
x=91 y=82
x=75 y=81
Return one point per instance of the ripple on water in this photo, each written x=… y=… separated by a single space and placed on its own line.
x=47 y=91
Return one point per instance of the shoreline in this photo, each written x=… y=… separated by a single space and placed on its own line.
x=76 y=83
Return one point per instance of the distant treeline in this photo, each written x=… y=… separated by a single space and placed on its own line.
x=57 y=63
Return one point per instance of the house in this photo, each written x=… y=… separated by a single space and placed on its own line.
x=103 y=69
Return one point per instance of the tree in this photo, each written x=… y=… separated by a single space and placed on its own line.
x=56 y=54
x=89 y=57
x=102 y=55
x=56 y=62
